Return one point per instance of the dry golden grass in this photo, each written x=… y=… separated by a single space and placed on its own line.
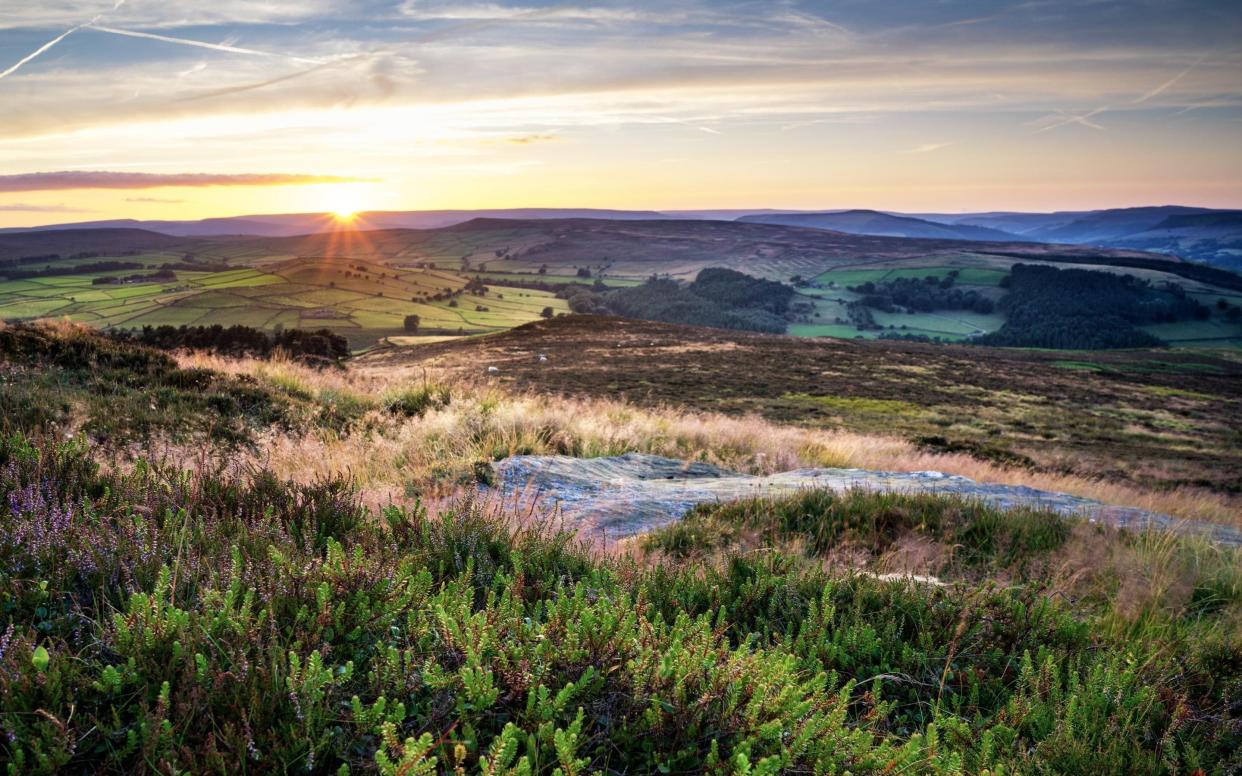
x=434 y=454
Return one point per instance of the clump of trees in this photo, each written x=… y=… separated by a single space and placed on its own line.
x=321 y=348
x=159 y=276
x=1087 y=309
x=718 y=297
x=923 y=295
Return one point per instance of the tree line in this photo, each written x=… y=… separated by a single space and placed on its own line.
x=1047 y=307
x=321 y=347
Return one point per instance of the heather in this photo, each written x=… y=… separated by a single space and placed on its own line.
x=164 y=621
x=240 y=611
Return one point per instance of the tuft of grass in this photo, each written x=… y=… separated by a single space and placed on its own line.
x=416 y=402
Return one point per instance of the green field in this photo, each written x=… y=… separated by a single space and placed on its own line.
x=367 y=298
x=366 y=283
x=1210 y=333
x=829 y=295
x=967 y=276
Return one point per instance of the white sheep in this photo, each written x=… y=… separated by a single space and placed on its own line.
x=491 y=370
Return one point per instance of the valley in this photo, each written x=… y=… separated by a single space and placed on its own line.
x=365 y=284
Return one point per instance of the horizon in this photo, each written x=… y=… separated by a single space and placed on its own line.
x=356 y=220
x=171 y=111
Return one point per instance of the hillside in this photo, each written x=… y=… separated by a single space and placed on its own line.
x=367 y=283
x=1212 y=237
x=248 y=565
x=882 y=224
x=1145 y=417
x=43 y=245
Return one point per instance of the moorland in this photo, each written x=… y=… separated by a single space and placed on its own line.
x=250 y=522
x=218 y=564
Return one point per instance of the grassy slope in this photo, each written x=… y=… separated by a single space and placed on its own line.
x=1155 y=419
x=296 y=293
x=154 y=621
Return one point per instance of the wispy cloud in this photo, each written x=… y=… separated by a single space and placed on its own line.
x=22 y=207
x=528 y=139
x=51 y=181
x=926 y=148
x=155 y=200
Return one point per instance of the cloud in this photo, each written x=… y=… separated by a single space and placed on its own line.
x=22 y=207
x=155 y=200
x=528 y=139
x=926 y=148
x=51 y=181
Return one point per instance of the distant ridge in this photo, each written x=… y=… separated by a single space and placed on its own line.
x=291 y=224
x=67 y=242
x=1193 y=233
x=873 y=222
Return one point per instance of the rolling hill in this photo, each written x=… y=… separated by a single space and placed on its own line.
x=1142 y=228
x=364 y=284
x=65 y=243
x=873 y=222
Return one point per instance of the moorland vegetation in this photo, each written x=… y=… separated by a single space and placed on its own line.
x=257 y=614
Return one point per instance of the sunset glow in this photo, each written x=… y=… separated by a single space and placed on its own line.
x=949 y=106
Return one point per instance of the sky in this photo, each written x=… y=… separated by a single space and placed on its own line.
x=184 y=109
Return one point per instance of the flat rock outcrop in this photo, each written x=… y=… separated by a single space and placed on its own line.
x=630 y=494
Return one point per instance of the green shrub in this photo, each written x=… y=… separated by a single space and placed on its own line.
x=220 y=621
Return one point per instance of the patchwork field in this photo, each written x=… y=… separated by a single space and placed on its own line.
x=829 y=293
x=364 y=300
x=364 y=284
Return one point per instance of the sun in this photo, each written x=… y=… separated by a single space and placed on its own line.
x=344 y=202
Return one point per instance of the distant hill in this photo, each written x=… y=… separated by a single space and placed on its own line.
x=1168 y=229
x=1106 y=225
x=69 y=242
x=1214 y=237
x=636 y=249
x=291 y=224
x=873 y=222
x=1194 y=233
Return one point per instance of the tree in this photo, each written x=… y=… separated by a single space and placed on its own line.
x=411 y=323
x=547 y=312
x=584 y=272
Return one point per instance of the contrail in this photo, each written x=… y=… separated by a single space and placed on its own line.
x=56 y=40
x=428 y=37
x=200 y=44
x=41 y=49
x=1164 y=86
x=279 y=79
x=1083 y=118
